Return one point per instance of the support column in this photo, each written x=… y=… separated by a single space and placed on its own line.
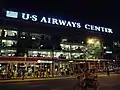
x=104 y=65
x=16 y=66
x=89 y=67
x=53 y=63
x=11 y=66
x=99 y=65
x=16 y=69
x=94 y=64
x=7 y=67
x=58 y=68
x=34 y=67
x=53 y=68
x=26 y=65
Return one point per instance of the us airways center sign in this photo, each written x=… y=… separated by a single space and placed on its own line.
x=55 y=21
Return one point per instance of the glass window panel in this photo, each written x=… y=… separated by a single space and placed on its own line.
x=10 y=33
x=65 y=47
x=35 y=52
x=57 y=54
x=39 y=53
x=9 y=43
x=45 y=54
x=76 y=55
x=67 y=55
x=74 y=47
x=8 y=52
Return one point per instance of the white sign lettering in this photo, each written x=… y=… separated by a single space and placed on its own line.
x=55 y=21
x=78 y=25
x=34 y=17
x=97 y=28
x=49 y=20
x=69 y=24
x=62 y=22
x=87 y=26
x=43 y=20
x=73 y=23
x=25 y=16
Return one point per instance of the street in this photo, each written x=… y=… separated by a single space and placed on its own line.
x=106 y=83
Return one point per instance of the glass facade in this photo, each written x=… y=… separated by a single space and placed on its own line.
x=8 y=42
x=40 y=55
x=34 y=44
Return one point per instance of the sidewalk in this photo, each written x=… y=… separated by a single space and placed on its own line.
x=105 y=75
x=34 y=79
x=51 y=78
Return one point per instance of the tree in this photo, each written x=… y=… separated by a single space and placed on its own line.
x=94 y=49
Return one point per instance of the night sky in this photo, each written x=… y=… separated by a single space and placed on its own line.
x=93 y=12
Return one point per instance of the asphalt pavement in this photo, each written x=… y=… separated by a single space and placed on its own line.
x=106 y=83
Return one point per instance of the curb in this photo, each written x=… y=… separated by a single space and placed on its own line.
x=45 y=79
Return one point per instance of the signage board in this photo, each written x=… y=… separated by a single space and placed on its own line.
x=55 y=21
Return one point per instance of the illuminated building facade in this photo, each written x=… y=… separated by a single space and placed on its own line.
x=49 y=45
